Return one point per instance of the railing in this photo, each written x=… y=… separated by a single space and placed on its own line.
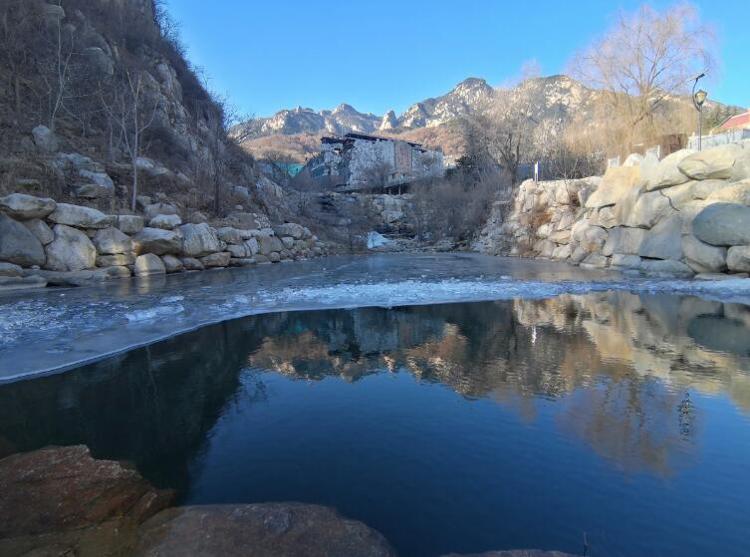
x=732 y=136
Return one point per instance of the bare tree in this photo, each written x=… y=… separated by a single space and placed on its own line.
x=131 y=110
x=645 y=58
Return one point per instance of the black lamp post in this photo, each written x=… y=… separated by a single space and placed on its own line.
x=699 y=98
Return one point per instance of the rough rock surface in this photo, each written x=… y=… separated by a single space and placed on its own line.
x=262 y=530
x=149 y=264
x=71 y=250
x=40 y=229
x=78 y=216
x=111 y=241
x=199 y=240
x=714 y=163
x=157 y=241
x=166 y=222
x=129 y=224
x=723 y=224
x=18 y=245
x=23 y=207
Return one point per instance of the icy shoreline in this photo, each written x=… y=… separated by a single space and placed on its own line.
x=52 y=331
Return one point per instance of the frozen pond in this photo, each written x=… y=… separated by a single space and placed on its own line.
x=51 y=330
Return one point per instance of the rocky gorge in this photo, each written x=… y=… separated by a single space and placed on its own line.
x=43 y=242
x=686 y=215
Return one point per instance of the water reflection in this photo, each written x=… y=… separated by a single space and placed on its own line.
x=625 y=363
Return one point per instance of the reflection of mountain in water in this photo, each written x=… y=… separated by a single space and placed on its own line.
x=623 y=362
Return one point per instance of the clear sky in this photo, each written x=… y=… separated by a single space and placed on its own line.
x=266 y=55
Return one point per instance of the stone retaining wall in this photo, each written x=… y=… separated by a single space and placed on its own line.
x=686 y=215
x=43 y=242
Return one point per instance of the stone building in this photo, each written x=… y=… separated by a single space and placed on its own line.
x=358 y=162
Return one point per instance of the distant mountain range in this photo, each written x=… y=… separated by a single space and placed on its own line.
x=294 y=134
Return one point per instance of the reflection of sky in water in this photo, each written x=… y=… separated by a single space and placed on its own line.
x=461 y=427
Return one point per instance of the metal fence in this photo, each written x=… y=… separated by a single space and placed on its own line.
x=733 y=136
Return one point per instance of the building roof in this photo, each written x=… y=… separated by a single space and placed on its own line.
x=738 y=121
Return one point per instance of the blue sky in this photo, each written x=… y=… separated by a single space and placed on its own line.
x=383 y=54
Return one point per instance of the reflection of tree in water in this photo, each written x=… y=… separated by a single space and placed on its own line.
x=617 y=358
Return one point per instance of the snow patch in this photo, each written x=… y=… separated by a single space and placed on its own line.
x=140 y=315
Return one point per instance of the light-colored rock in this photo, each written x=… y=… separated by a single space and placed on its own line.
x=723 y=224
x=129 y=224
x=149 y=264
x=625 y=261
x=18 y=245
x=156 y=209
x=714 y=163
x=101 y=187
x=21 y=206
x=40 y=229
x=192 y=264
x=112 y=241
x=45 y=140
x=199 y=240
x=118 y=260
x=738 y=259
x=230 y=235
x=595 y=261
x=252 y=246
x=294 y=230
x=667 y=172
x=172 y=264
x=78 y=216
x=666 y=268
x=71 y=250
x=649 y=209
x=238 y=251
x=269 y=244
x=10 y=270
x=220 y=259
x=198 y=218
x=624 y=240
x=702 y=257
x=13 y=283
x=617 y=183
x=663 y=241
x=157 y=241
x=275 y=257
x=732 y=193
x=288 y=241
x=165 y=222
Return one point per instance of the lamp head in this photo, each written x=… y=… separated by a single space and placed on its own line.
x=700 y=97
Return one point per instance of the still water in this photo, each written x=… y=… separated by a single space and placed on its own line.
x=617 y=418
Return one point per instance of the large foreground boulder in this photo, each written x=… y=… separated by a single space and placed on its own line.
x=149 y=264
x=111 y=241
x=667 y=172
x=663 y=241
x=18 y=245
x=723 y=224
x=40 y=229
x=23 y=207
x=157 y=241
x=702 y=257
x=199 y=240
x=129 y=224
x=268 y=530
x=714 y=163
x=71 y=250
x=617 y=184
x=79 y=216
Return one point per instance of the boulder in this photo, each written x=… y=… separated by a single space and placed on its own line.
x=40 y=229
x=667 y=172
x=71 y=250
x=241 y=262
x=97 y=185
x=595 y=261
x=732 y=193
x=666 y=268
x=649 y=209
x=702 y=257
x=624 y=261
x=198 y=218
x=723 y=224
x=617 y=183
x=562 y=237
x=157 y=241
x=246 y=221
x=63 y=489
x=714 y=163
x=199 y=240
x=156 y=209
x=149 y=264
x=230 y=235
x=741 y=168
x=45 y=140
x=624 y=240
x=238 y=251
x=269 y=244
x=220 y=259
x=738 y=258
x=268 y=529
x=129 y=224
x=78 y=216
x=165 y=222
x=12 y=284
x=252 y=246
x=663 y=241
x=172 y=264
x=192 y=264
x=10 y=270
x=294 y=230
x=111 y=241
x=118 y=260
x=18 y=245
x=21 y=206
